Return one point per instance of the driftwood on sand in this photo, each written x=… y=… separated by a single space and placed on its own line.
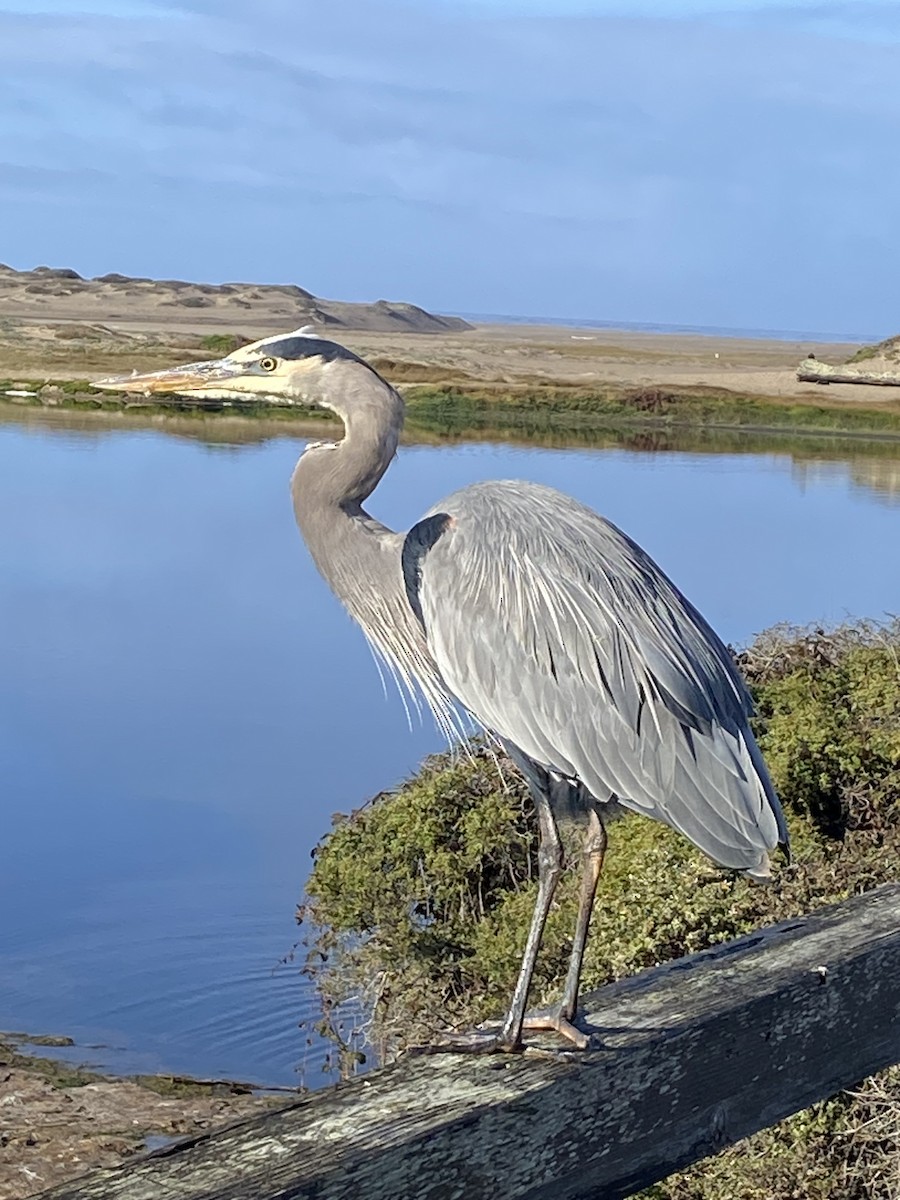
x=813 y=371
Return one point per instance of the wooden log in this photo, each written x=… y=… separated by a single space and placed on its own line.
x=813 y=371
x=693 y=1055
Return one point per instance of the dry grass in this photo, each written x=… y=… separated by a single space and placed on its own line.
x=76 y=351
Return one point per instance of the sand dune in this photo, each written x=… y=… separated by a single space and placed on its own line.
x=50 y=293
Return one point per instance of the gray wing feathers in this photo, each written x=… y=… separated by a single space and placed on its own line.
x=380 y=604
x=558 y=632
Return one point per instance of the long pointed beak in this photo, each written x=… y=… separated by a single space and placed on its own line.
x=182 y=381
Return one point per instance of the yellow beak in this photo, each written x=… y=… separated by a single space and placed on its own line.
x=213 y=376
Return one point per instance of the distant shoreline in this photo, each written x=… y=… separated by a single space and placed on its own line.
x=651 y=327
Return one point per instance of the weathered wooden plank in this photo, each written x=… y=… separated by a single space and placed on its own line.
x=695 y=1054
x=813 y=371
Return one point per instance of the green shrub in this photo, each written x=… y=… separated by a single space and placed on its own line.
x=889 y=350
x=223 y=343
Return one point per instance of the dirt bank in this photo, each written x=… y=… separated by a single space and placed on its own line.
x=58 y=1121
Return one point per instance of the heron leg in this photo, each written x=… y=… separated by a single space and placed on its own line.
x=550 y=861
x=561 y=1021
x=594 y=853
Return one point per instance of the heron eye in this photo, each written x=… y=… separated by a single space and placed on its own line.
x=268 y=364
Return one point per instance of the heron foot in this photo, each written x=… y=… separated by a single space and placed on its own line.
x=558 y=1023
x=478 y=1041
x=491 y=1037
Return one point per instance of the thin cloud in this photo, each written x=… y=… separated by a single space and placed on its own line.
x=646 y=169
x=116 y=9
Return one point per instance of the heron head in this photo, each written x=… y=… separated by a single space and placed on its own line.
x=289 y=366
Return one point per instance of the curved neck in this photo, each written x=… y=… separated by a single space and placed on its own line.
x=331 y=480
x=359 y=558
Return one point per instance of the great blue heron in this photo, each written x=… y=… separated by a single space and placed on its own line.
x=544 y=621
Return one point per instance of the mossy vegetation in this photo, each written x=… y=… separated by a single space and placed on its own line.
x=418 y=904
x=15 y=1052
x=59 y=1073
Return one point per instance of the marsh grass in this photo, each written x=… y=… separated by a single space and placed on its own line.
x=453 y=409
x=457 y=407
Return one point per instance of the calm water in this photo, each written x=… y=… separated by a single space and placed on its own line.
x=183 y=705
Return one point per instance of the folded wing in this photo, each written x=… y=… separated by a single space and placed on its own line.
x=560 y=634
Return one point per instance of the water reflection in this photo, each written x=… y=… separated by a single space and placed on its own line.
x=879 y=475
x=869 y=462
x=873 y=463
x=183 y=705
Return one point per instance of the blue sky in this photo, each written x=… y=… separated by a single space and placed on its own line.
x=726 y=163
